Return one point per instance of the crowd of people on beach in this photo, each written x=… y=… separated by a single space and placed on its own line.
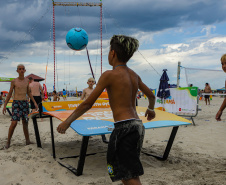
x=122 y=85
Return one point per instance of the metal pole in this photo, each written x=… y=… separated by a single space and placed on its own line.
x=178 y=74
x=54 y=44
x=101 y=35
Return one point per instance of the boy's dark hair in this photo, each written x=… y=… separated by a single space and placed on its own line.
x=1 y=92
x=124 y=47
x=30 y=78
x=54 y=92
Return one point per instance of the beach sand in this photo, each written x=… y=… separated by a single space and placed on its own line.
x=198 y=156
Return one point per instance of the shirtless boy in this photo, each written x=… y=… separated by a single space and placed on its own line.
x=87 y=91
x=207 y=90
x=35 y=88
x=20 y=106
x=219 y=113
x=122 y=84
x=55 y=96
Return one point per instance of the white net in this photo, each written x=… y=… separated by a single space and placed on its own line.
x=199 y=77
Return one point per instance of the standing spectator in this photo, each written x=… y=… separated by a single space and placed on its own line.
x=207 y=90
x=87 y=91
x=35 y=88
x=20 y=106
x=64 y=94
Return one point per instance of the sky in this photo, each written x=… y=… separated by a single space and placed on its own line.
x=169 y=31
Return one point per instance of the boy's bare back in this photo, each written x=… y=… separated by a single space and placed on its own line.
x=35 y=88
x=122 y=85
x=122 y=90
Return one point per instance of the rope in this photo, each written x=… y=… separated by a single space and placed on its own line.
x=119 y=28
x=80 y=17
x=199 y=76
x=69 y=68
x=215 y=94
x=186 y=76
x=90 y=63
x=64 y=69
x=104 y=22
x=148 y=63
x=201 y=69
x=48 y=49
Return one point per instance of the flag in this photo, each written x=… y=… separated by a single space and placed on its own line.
x=45 y=92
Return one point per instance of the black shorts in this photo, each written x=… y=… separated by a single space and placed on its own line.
x=123 y=155
x=207 y=96
x=38 y=100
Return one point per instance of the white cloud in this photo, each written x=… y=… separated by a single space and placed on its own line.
x=73 y=67
x=208 y=29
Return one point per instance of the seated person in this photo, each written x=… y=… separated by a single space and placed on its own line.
x=55 y=96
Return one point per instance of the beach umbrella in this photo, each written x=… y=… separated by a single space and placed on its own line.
x=5 y=92
x=163 y=91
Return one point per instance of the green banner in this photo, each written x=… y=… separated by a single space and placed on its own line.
x=193 y=90
x=5 y=79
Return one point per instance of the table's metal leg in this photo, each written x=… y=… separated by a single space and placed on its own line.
x=104 y=139
x=82 y=157
x=170 y=143
x=168 y=147
x=9 y=111
x=193 y=121
x=38 y=141
x=52 y=137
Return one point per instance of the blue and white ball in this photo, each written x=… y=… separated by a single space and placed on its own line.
x=77 y=39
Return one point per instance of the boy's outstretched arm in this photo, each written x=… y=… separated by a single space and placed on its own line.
x=87 y=104
x=150 y=113
x=219 y=113
x=8 y=96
